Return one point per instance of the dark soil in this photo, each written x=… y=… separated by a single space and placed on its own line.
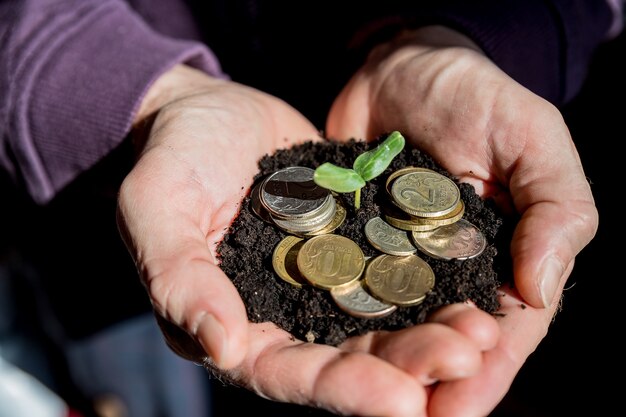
x=309 y=313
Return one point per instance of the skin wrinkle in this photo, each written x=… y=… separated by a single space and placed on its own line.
x=195 y=323
x=161 y=286
x=493 y=143
x=317 y=380
x=507 y=351
x=325 y=368
x=194 y=178
x=268 y=351
x=581 y=222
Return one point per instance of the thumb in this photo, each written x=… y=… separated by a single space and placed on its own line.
x=349 y=115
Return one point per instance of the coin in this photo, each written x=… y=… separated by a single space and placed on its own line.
x=402 y=171
x=399 y=280
x=460 y=240
x=290 y=193
x=356 y=301
x=330 y=260
x=284 y=260
x=425 y=194
x=404 y=221
x=387 y=238
x=255 y=203
x=336 y=221
x=321 y=218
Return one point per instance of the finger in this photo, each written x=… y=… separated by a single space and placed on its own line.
x=477 y=325
x=430 y=353
x=346 y=383
x=522 y=328
x=448 y=347
x=559 y=217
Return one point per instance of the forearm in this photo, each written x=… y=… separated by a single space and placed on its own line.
x=73 y=77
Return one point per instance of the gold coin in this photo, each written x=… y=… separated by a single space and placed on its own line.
x=402 y=220
x=425 y=194
x=330 y=260
x=402 y=171
x=284 y=260
x=461 y=240
x=399 y=280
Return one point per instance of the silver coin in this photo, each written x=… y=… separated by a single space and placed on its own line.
x=291 y=193
x=460 y=240
x=388 y=239
x=356 y=301
x=306 y=225
x=335 y=222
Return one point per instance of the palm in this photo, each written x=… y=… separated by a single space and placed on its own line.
x=184 y=192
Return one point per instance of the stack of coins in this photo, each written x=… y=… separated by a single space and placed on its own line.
x=428 y=206
x=290 y=199
x=422 y=200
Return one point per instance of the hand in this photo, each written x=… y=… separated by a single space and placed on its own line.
x=197 y=161
x=437 y=88
x=194 y=169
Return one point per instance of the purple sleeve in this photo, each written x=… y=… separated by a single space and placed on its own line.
x=545 y=45
x=617 y=26
x=72 y=76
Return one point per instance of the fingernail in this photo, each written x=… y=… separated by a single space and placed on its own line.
x=551 y=272
x=214 y=332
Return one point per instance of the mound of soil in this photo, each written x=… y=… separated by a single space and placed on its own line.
x=309 y=313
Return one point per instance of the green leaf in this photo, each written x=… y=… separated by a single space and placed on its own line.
x=341 y=180
x=372 y=163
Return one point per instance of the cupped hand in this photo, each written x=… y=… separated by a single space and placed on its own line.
x=194 y=168
x=200 y=143
x=437 y=88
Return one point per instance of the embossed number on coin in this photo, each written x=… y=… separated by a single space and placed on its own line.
x=425 y=194
x=460 y=240
x=400 y=280
x=330 y=260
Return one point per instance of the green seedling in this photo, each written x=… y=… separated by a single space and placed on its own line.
x=366 y=166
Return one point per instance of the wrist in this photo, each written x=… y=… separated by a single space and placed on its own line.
x=177 y=83
x=419 y=41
